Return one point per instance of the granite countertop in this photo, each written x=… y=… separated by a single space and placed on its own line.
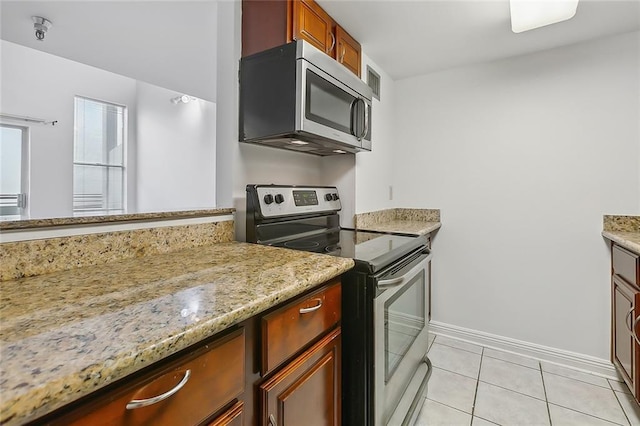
x=629 y=240
x=416 y=227
x=624 y=230
x=130 y=217
x=66 y=334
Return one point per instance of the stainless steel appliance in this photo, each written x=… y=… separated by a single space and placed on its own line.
x=296 y=97
x=384 y=298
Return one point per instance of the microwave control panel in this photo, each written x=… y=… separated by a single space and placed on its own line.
x=278 y=201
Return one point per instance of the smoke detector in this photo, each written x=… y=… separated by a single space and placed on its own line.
x=41 y=26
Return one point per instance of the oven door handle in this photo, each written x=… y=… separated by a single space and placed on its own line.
x=392 y=282
x=396 y=281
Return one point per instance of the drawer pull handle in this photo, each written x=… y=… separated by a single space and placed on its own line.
x=272 y=420
x=139 y=403
x=633 y=331
x=313 y=308
x=627 y=323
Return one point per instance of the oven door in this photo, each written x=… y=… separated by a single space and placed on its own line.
x=400 y=337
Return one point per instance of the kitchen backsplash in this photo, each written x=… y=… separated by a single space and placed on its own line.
x=614 y=223
x=35 y=257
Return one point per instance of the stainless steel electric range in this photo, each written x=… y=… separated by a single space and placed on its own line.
x=385 y=369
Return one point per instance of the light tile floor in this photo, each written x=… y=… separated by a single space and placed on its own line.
x=473 y=385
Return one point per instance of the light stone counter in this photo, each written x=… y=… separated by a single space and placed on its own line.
x=624 y=230
x=402 y=221
x=65 y=334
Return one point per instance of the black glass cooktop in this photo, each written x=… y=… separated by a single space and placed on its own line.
x=370 y=249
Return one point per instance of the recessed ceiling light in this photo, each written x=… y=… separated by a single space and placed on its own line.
x=530 y=14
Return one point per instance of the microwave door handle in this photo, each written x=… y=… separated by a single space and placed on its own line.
x=354 y=104
x=366 y=120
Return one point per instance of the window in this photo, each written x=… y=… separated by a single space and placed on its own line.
x=13 y=172
x=98 y=163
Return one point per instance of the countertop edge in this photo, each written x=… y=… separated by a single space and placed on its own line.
x=427 y=228
x=621 y=239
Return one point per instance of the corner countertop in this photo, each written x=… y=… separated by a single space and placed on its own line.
x=66 y=334
x=623 y=230
x=416 y=227
x=628 y=240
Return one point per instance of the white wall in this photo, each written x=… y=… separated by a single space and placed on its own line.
x=37 y=84
x=374 y=170
x=523 y=156
x=176 y=151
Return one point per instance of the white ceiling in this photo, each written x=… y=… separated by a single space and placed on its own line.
x=167 y=43
x=173 y=43
x=408 y=38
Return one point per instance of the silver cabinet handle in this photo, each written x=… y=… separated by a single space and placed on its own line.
x=313 y=308
x=627 y=323
x=333 y=42
x=272 y=420
x=633 y=331
x=139 y=403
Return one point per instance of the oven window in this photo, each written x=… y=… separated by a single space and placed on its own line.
x=327 y=103
x=404 y=318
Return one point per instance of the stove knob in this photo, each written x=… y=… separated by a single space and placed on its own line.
x=328 y=197
x=279 y=198
x=268 y=199
x=335 y=197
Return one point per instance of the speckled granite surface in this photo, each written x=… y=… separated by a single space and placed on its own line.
x=405 y=221
x=66 y=221
x=35 y=257
x=66 y=334
x=624 y=230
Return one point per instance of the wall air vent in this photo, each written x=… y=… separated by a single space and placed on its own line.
x=373 y=80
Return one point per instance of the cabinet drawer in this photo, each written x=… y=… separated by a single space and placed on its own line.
x=204 y=382
x=626 y=265
x=231 y=417
x=288 y=329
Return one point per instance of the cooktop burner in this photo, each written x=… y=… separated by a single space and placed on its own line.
x=302 y=245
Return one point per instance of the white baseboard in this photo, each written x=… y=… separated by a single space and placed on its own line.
x=586 y=363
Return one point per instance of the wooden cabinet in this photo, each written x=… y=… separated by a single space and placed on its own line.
x=348 y=51
x=284 y=363
x=307 y=390
x=625 y=316
x=187 y=390
x=271 y=23
x=311 y=23
x=288 y=329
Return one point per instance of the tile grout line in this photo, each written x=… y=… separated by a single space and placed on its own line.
x=475 y=394
x=460 y=349
x=513 y=362
x=619 y=402
x=544 y=389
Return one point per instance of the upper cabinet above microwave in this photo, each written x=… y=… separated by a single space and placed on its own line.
x=270 y=23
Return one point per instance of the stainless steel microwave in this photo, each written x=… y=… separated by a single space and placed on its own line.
x=296 y=97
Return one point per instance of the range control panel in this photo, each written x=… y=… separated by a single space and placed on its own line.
x=287 y=200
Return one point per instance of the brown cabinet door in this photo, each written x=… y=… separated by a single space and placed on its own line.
x=624 y=348
x=348 y=51
x=231 y=417
x=313 y=24
x=307 y=390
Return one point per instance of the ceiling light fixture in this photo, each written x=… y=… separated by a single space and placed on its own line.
x=530 y=14
x=41 y=26
x=296 y=142
x=182 y=99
